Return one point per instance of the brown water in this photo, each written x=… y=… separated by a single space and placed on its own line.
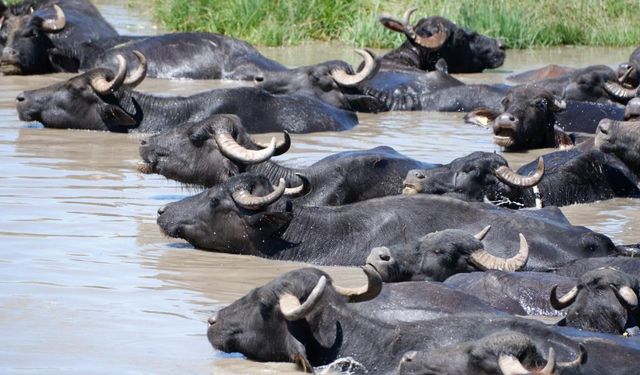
x=89 y=285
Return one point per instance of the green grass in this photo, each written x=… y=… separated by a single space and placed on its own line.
x=522 y=24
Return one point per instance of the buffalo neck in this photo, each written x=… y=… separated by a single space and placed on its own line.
x=406 y=55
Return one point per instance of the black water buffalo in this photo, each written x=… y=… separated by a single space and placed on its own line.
x=621 y=138
x=102 y=100
x=197 y=155
x=178 y=55
x=604 y=300
x=534 y=118
x=628 y=71
x=434 y=38
x=33 y=28
x=244 y=215
x=518 y=293
x=579 y=267
x=559 y=178
x=325 y=327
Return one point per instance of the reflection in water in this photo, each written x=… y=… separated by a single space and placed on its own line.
x=90 y=285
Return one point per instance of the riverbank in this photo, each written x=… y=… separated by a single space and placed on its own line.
x=522 y=24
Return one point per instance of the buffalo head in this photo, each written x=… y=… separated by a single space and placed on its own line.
x=85 y=101
x=472 y=178
x=622 y=138
x=205 y=153
x=527 y=119
x=230 y=215
x=506 y=352
x=289 y=319
x=439 y=255
x=27 y=41
x=588 y=85
x=434 y=38
x=604 y=300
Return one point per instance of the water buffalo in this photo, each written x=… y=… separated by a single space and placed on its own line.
x=245 y=215
x=604 y=300
x=579 y=267
x=325 y=327
x=628 y=71
x=520 y=293
x=559 y=178
x=534 y=118
x=177 y=55
x=507 y=352
x=103 y=100
x=195 y=155
x=33 y=28
x=434 y=38
x=621 y=139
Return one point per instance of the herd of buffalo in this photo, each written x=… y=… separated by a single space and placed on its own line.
x=457 y=256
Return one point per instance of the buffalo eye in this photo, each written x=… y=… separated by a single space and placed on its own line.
x=541 y=105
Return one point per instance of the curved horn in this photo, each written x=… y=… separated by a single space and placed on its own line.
x=627 y=295
x=57 y=23
x=140 y=73
x=100 y=84
x=281 y=147
x=620 y=92
x=550 y=367
x=301 y=190
x=434 y=41
x=483 y=233
x=486 y=261
x=564 y=301
x=290 y=305
x=370 y=67
x=251 y=202
x=509 y=177
x=366 y=292
x=234 y=151
x=510 y=365
x=1 y=21
x=580 y=360
x=626 y=74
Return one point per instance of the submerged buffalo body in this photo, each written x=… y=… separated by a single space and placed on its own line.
x=102 y=100
x=28 y=37
x=178 y=55
x=244 y=215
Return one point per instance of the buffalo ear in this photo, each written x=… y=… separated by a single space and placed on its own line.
x=441 y=66
x=63 y=63
x=270 y=221
x=325 y=328
x=201 y=135
x=564 y=141
x=481 y=117
x=115 y=116
x=391 y=24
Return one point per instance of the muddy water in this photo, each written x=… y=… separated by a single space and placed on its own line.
x=89 y=285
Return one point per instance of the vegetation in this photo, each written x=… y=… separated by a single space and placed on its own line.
x=521 y=23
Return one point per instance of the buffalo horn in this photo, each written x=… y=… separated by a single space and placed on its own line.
x=434 y=41
x=626 y=74
x=510 y=365
x=627 y=295
x=234 y=151
x=290 y=305
x=141 y=71
x=366 y=292
x=483 y=233
x=564 y=301
x=509 y=177
x=301 y=190
x=486 y=261
x=618 y=91
x=100 y=84
x=252 y=202
x=343 y=78
x=57 y=23
x=580 y=360
x=281 y=147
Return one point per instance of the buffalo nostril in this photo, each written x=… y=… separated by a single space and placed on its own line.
x=604 y=128
x=384 y=256
x=512 y=118
x=212 y=320
x=143 y=142
x=419 y=175
x=20 y=98
x=161 y=210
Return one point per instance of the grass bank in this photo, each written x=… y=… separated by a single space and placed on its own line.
x=522 y=23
